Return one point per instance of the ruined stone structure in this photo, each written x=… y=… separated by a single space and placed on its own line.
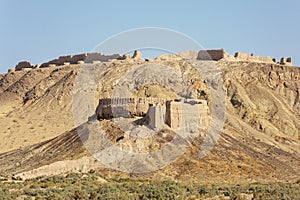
x=206 y=55
x=125 y=107
x=175 y=113
x=80 y=58
x=94 y=58
x=156 y=116
x=23 y=65
x=215 y=54
x=180 y=113
x=246 y=57
x=221 y=54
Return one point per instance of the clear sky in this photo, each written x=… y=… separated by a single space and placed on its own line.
x=38 y=31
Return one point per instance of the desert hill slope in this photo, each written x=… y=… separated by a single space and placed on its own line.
x=260 y=139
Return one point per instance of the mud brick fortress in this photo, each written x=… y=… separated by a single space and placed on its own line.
x=157 y=112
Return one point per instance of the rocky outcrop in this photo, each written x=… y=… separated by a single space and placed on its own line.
x=266 y=96
x=137 y=55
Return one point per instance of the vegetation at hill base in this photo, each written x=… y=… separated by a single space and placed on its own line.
x=91 y=186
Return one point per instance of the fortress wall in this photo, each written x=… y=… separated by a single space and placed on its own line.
x=246 y=57
x=80 y=58
x=241 y=56
x=218 y=54
x=125 y=107
x=215 y=54
x=174 y=114
x=187 y=114
x=99 y=57
x=211 y=54
x=156 y=115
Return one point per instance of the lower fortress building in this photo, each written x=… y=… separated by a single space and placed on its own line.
x=156 y=112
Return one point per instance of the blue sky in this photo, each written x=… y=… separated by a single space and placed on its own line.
x=38 y=31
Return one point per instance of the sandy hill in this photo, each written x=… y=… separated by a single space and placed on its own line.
x=260 y=140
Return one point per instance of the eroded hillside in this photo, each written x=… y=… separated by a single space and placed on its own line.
x=260 y=139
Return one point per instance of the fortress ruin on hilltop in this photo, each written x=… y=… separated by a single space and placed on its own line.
x=221 y=54
x=78 y=59
x=155 y=111
x=216 y=55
